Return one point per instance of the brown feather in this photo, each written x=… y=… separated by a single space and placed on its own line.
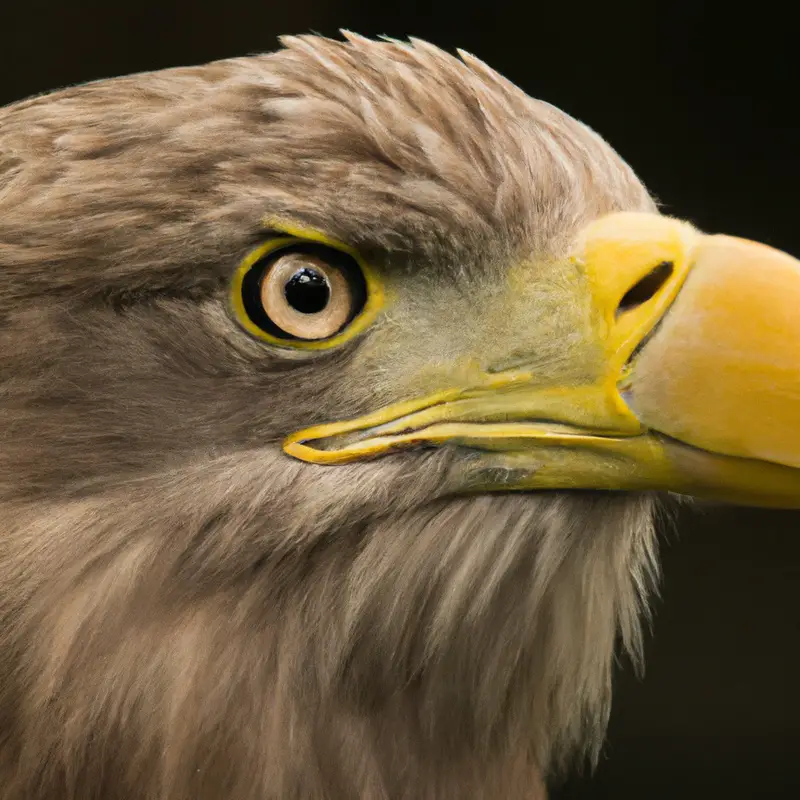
x=185 y=613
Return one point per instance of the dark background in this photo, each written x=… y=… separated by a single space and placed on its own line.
x=701 y=100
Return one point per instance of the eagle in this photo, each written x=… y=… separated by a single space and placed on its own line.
x=340 y=388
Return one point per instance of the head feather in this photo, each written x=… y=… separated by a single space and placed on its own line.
x=184 y=613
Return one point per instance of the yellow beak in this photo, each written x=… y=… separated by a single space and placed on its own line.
x=697 y=392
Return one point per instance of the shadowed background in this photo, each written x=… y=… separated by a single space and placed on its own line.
x=701 y=105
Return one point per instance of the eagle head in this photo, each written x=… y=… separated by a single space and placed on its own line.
x=338 y=388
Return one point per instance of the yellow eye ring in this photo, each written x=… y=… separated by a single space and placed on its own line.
x=293 y=238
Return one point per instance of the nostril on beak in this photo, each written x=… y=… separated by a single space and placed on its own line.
x=646 y=288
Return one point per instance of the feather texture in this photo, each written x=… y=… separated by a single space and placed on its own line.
x=184 y=613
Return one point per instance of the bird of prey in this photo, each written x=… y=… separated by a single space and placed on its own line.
x=339 y=388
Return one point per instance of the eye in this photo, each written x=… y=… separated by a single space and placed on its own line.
x=304 y=292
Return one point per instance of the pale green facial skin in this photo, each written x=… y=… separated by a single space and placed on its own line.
x=534 y=321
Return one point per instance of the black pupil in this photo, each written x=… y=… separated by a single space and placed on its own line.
x=307 y=291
